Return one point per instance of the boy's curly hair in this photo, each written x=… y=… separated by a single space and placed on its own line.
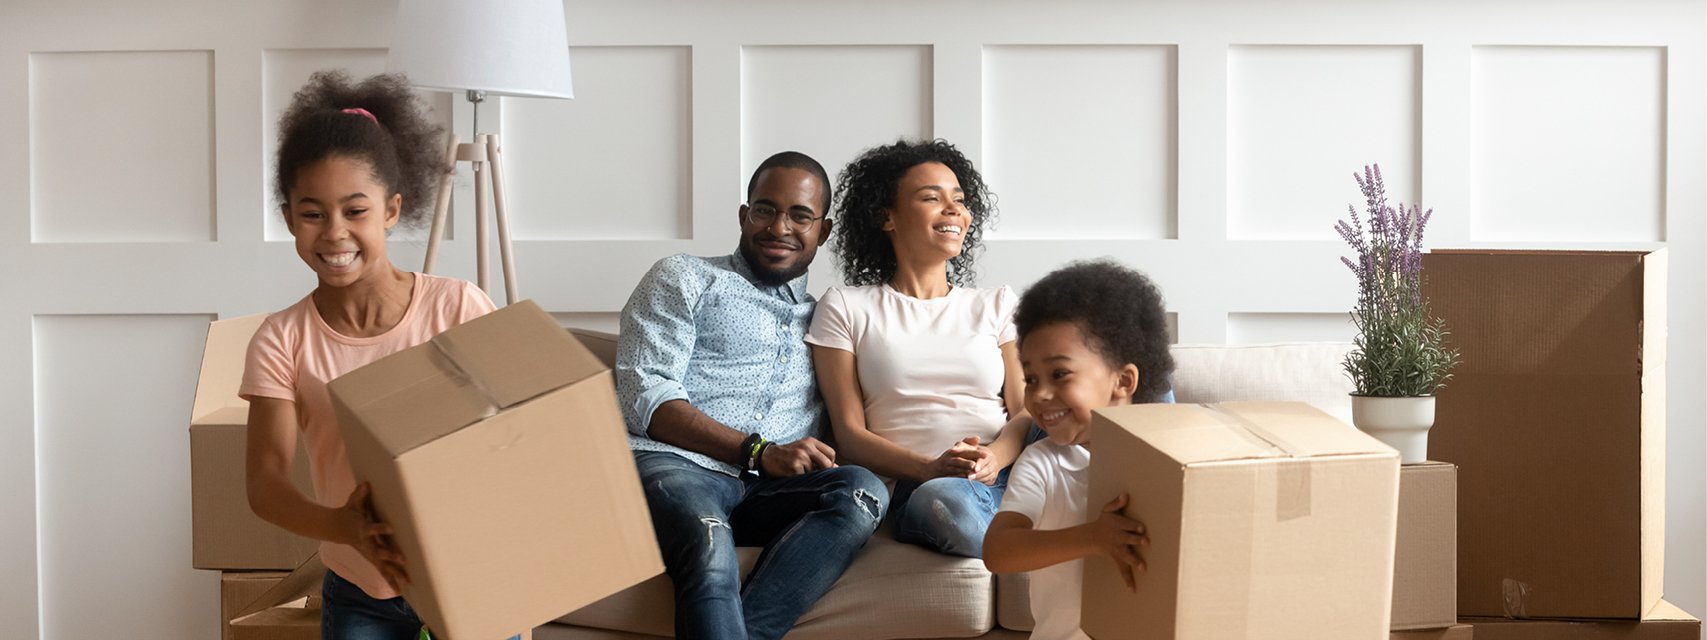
x=868 y=186
x=1118 y=311
x=406 y=151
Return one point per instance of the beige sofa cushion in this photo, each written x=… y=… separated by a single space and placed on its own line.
x=893 y=590
x=1299 y=372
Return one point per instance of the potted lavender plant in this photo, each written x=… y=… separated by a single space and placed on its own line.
x=1399 y=358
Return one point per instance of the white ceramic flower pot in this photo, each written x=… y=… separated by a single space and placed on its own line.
x=1401 y=423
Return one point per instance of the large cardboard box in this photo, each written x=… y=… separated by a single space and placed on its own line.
x=1556 y=420
x=1664 y=622
x=1454 y=632
x=225 y=533
x=1425 y=557
x=272 y=605
x=497 y=452
x=1265 y=519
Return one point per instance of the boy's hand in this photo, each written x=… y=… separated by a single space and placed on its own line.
x=795 y=458
x=363 y=530
x=1120 y=537
x=986 y=469
x=959 y=461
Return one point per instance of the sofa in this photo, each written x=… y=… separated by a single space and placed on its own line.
x=895 y=590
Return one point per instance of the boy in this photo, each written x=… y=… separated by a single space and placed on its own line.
x=1091 y=335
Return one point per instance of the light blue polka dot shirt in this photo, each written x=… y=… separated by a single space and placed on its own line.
x=706 y=331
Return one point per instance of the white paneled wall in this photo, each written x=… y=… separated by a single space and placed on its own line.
x=1209 y=143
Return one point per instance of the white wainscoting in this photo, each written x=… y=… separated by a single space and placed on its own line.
x=1210 y=144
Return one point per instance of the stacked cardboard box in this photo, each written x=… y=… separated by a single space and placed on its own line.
x=272 y=605
x=497 y=452
x=1425 y=556
x=225 y=534
x=1265 y=519
x=252 y=555
x=1556 y=419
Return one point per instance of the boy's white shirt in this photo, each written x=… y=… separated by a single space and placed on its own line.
x=1047 y=485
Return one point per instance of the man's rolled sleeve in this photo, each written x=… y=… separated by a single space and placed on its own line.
x=656 y=341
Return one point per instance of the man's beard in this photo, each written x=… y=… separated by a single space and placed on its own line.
x=764 y=274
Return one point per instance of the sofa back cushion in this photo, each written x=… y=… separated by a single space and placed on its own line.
x=1297 y=371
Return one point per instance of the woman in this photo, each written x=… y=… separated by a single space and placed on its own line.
x=919 y=369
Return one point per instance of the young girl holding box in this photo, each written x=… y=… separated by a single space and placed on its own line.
x=354 y=160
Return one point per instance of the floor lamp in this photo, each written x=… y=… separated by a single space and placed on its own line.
x=499 y=48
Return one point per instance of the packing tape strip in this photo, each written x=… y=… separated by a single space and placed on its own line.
x=1515 y=597
x=455 y=369
x=1292 y=480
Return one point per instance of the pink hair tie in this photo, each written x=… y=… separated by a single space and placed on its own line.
x=362 y=112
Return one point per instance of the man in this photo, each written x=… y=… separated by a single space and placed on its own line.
x=717 y=389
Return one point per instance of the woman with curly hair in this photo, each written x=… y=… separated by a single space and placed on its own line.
x=918 y=368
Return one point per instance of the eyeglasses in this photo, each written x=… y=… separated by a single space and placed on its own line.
x=764 y=216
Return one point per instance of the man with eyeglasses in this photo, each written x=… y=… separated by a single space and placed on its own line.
x=717 y=389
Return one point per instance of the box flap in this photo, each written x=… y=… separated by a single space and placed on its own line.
x=1197 y=433
x=222 y=370
x=517 y=353
x=464 y=375
x=301 y=583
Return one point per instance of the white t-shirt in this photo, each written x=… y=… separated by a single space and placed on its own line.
x=1047 y=485
x=931 y=370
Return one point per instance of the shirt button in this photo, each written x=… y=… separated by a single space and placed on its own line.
x=759 y=416
x=785 y=359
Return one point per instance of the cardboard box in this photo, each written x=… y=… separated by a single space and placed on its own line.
x=1555 y=418
x=1454 y=632
x=288 y=608
x=1425 y=557
x=1664 y=622
x=239 y=589
x=225 y=533
x=1265 y=519
x=497 y=452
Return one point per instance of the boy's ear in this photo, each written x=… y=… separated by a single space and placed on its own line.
x=1127 y=382
x=290 y=222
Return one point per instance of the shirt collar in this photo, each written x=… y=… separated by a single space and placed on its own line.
x=795 y=289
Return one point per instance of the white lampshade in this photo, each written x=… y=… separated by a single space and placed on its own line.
x=501 y=47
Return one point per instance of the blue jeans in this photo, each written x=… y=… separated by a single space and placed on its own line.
x=810 y=526
x=947 y=515
x=348 y=613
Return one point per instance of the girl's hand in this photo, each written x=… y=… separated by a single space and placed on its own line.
x=959 y=461
x=1120 y=537
x=362 y=530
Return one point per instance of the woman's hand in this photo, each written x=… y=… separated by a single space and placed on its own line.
x=360 y=528
x=959 y=461
x=1119 y=537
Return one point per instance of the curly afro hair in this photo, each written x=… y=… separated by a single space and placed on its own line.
x=406 y=151
x=1117 y=309
x=868 y=186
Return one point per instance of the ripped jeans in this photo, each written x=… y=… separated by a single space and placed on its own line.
x=810 y=526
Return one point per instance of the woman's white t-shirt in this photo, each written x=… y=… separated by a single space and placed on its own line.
x=1047 y=485
x=931 y=370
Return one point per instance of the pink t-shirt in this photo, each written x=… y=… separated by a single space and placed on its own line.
x=294 y=355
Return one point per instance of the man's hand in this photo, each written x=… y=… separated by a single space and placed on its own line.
x=1119 y=537
x=795 y=458
x=360 y=528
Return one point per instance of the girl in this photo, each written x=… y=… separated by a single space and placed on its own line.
x=1092 y=335
x=918 y=369
x=353 y=161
